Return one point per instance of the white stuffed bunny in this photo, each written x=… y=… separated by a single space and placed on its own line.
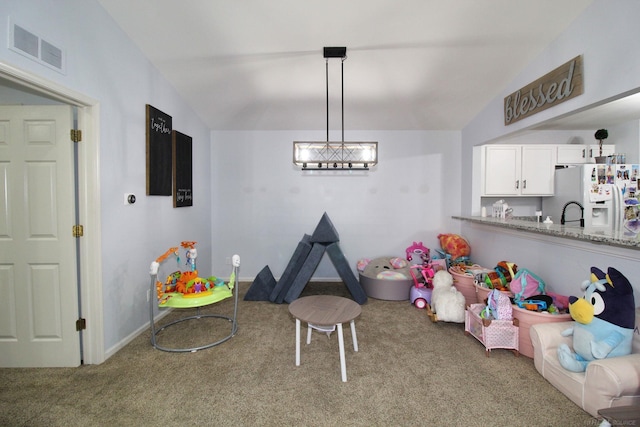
x=446 y=301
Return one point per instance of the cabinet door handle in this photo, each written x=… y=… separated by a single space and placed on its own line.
x=517 y=184
x=584 y=153
x=590 y=152
x=524 y=184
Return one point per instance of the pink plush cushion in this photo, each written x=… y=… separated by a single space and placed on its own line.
x=398 y=262
x=391 y=275
x=362 y=263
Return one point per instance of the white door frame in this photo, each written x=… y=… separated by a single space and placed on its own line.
x=90 y=255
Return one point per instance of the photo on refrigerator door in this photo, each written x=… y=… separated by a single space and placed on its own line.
x=609 y=175
x=601 y=174
x=627 y=178
x=631 y=221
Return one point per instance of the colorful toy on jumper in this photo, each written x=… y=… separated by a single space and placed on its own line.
x=185 y=289
x=604 y=320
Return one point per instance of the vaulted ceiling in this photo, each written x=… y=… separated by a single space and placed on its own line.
x=411 y=64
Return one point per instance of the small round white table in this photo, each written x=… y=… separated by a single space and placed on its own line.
x=325 y=313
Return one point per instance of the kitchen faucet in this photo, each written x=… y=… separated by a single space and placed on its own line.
x=573 y=202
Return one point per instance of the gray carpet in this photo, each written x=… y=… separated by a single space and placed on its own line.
x=408 y=372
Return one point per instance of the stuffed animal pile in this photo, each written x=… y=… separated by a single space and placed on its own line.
x=604 y=320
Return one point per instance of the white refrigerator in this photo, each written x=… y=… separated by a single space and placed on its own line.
x=627 y=180
x=604 y=196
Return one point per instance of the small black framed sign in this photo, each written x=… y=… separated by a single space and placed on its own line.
x=182 y=170
x=159 y=152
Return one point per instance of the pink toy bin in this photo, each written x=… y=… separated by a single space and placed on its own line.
x=527 y=318
x=464 y=284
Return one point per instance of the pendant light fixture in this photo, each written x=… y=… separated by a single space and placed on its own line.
x=327 y=155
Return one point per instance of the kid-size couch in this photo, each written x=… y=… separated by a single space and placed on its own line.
x=606 y=382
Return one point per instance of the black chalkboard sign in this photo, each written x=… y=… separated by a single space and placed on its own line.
x=182 y=170
x=158 y=152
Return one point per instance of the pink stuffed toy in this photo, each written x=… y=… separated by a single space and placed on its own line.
x=454 y=245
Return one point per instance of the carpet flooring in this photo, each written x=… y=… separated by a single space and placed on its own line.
x=408 y=372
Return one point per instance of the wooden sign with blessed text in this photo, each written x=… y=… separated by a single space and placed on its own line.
x=556 y=87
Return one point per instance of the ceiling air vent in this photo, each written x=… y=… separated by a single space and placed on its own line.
x=32 y=46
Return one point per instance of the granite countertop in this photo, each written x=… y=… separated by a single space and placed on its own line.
x=621 y=238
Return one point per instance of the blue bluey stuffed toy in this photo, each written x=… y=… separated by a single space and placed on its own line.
x=604 y=320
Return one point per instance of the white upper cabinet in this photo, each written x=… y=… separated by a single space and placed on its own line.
x=594 y=151
x=569 y=154
x=518 y=170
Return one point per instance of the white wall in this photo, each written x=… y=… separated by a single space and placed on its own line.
x=626 y=137
x=103 y=64
x=263 y=205
x=608 y=36
x=249 y=198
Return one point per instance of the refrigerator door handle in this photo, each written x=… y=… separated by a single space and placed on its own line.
x=617 y=207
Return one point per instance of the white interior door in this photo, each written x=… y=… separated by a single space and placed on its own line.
x=38 y=279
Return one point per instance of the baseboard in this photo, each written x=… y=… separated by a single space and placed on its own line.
x=122 y=343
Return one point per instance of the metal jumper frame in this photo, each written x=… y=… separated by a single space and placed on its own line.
x=233 y=287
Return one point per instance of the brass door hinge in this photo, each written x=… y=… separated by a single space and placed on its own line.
x=76 y=135
x=81 y=324
x=77 y=231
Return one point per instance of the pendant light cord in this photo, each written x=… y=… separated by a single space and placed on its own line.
x=327 y=82
x=342 y=79
x=342 y=96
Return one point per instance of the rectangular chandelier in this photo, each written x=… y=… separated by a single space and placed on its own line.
x=317 y=155
x=327 y=155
